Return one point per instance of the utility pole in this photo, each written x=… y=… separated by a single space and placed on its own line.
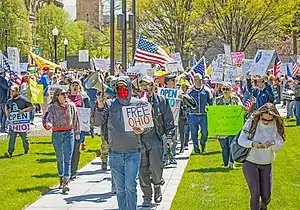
x=133 y=29
x=112 y=37
x=124 y=37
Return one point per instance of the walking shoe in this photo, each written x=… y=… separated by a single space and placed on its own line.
x=146 y=203
x=104 y=166
x=26 y=152
x=226 y=166
x=186 y=148
x=157 y=194
x=231 y=165
x=173 y=161
x=61 y=180
x=65 y=185
x=8 y=154
x=113 y=191
x=167 y=162
x=83 y=146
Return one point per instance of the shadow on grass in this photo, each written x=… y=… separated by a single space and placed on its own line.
x=290 y=126
x=41 y=142
x=45 y=160
x=45 y=153
x=207 y=153
x=43 y=189
x=45 y=175
x=182 y=158
x=94 y=198
x=18 y=155
x=209 y=170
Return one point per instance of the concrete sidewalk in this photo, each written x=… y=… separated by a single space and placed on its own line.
x=91 y=190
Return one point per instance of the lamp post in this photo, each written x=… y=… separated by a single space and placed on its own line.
x=66 y=42
x=55 y=34
x=112 y=36
x=6 y=40
x=124 y=37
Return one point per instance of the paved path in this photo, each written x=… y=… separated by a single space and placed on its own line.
x=91 y=190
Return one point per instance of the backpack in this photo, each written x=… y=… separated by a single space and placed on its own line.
x=239 y=153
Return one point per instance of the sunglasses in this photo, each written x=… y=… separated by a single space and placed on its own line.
x=225 y=89
x=63 y=94
x=198 y=79
x=265 y=120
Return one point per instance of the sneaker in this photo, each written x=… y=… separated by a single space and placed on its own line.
x=181 y=150
x=186 y=148
x=104 y=166
x=73 y=177
x=65 y=185
x=173 y=161
x=167 y=162
x=83 y=146
x=8 y=154
x=231 y=165
x=146 y=203
x=157 y=194
x=61 y=180
x=113 y=191
x=226 y=167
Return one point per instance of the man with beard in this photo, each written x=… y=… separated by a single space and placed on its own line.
x=151 y=168
x=18 y=104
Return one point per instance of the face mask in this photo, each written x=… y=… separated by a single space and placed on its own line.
x=122 y=93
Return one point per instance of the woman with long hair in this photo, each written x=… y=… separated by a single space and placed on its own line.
x=61 y=117
x=264 y=134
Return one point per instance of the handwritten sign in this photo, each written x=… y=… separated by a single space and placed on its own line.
x=137 y=116
x=84 y=116
x=246 y=66
x=169 y=93
x=217 y=75
x=19 y=122
x=224 y=120
x=230 y=73
x=175 y=108
x=237 y=57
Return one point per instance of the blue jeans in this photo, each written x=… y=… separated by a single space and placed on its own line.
x=195 y=121
x=297 y=112
x=290 y=109
x=226 y=152
x=31 y=114
x=125 y=170
x=2 y=117
x=186 y=135
x=12 y=141
x=63 y=143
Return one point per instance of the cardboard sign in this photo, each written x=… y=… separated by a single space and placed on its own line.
x=83 y=56
x=217 y=76
x=102 y=64
x=224 y=120
x=230 y=74
x=137 y=116
x=174 y=67
x=261 y=62
x=175 y=108
x=246 y=66
x=84 y=116
x=227 y=50
x=138 y=69
x=24 y=67
x=177 y=57
x=13 y=55
x=19 y=122
x=237 y=57
x=169 y=93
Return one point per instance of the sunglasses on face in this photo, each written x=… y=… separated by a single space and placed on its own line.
x=63 y=94
x=225 y=89
x=198 y=79
x=265 y=120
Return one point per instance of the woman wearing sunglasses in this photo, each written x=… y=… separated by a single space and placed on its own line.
x=227 y=99
x=61 y=117
x=266 y=129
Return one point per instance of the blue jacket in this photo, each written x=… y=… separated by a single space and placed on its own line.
x=3 y=90
x=120 y=141
x=45 y=81
x=262 y=96
x=203 y=97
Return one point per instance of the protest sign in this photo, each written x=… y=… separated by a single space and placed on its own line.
x=224 y=120
x=64 y=64
x=174 y=67
x=137 y=116
x=84 y=116
x=177 y=57
x=246 y=66
x=19 y=122
x=227 y=50
x=52 y=88
x=102 y=64
x=284 y=69
x=83 y=56
x=230 y=73
x=24 y=67
x=261 y=62
x=13 y=56
x=36 y=90
x=139 y=68
x=237 y=57
x=217 y=75
x=169 y=93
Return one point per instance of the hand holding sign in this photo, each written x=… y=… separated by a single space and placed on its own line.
x=138 y=131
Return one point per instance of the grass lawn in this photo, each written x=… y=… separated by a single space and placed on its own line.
x=206 y=185
x=24 y=178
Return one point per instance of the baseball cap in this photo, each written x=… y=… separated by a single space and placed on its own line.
x=147 y=79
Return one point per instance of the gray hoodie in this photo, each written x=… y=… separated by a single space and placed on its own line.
x=119 y=140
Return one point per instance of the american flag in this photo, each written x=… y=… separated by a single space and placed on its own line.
x=295 y=67
x=10 y=75
x=249 y=103
x=198 y=68
x=277 y=66
x=148 y=52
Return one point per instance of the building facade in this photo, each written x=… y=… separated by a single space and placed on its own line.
x=90 y=11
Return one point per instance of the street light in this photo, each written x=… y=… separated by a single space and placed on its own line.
x=66 y=42
x=55 y=34
x=6 y=40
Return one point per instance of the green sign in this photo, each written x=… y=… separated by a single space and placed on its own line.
x=224 y=120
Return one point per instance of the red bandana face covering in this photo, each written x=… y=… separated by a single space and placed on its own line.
x=122 y=93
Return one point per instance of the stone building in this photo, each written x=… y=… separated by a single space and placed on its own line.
x=90 y=11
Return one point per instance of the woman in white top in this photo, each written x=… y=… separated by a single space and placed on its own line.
x=264 y=134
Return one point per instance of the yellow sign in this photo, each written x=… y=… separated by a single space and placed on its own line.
x=37 y=90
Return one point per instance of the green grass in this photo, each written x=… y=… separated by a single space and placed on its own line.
x=24 y=178
x=206 y=185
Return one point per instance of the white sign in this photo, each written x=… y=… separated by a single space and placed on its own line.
x=217 y=75
x=230 y=74
x=84 y=116
x=64 y=64
x=137 y=116
x=261 y=62
x=52 y=88
x=246 y=66
x=284 y=68
x=227 y=50
x=139 y=68
x=23 y=67
x=102 y=64
x=83 y=56
x=19 y=122
x=175 y=108
x=177 y=57
x=14 y=58
x=174 y=67
x=169 y=93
